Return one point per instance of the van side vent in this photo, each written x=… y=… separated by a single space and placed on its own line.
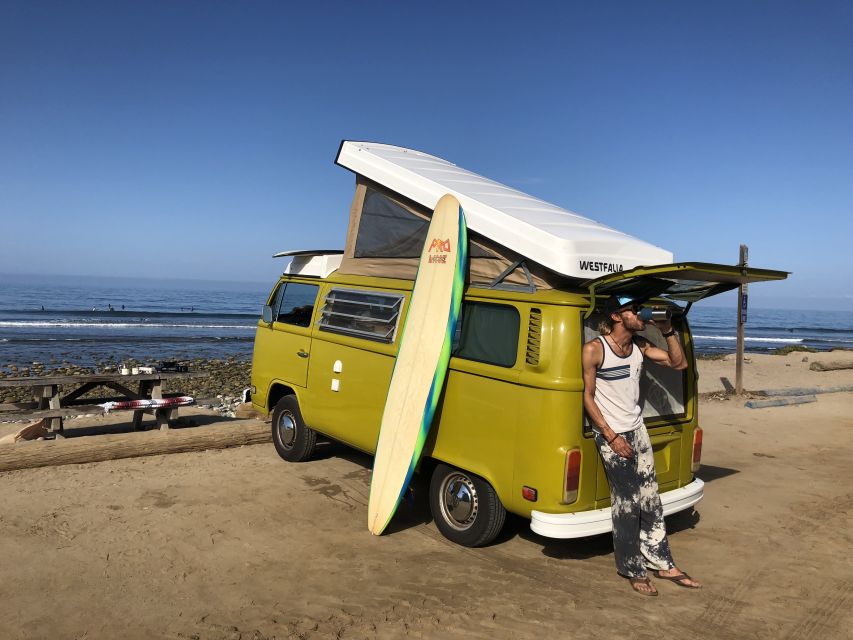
x=534 y=336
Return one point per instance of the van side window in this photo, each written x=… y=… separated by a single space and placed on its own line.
x=487 y=333
x=275 y=302
x=297 y=303
x=363 y=314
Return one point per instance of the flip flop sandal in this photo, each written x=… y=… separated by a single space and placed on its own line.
x=677 y=579
x=638 y=581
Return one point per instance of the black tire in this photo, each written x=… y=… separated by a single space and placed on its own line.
x=465 y=507
x=292 y=439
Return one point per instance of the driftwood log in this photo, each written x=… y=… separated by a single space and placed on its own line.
x=805 y=391
x=45 y=453
x=831 y=366
x=779 y=402
x=32 y=431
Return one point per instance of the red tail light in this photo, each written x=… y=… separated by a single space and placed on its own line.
x=697 y=449
x=572 y=476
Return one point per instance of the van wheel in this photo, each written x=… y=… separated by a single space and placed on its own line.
x=465 y=507
x=292 y=439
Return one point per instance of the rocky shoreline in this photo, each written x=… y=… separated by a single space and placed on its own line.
x=225 y=379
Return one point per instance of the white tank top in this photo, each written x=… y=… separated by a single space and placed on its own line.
x=617 y=388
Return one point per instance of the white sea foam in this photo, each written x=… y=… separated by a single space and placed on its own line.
x=116 y=325
x=748 y=339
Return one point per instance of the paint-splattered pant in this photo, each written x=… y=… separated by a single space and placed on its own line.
x=639 y=533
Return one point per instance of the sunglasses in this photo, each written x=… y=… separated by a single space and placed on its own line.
x=634 y=308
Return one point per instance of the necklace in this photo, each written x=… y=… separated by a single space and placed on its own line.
x=622 y=350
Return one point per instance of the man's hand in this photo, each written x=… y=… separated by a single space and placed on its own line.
x=621 y=447
x=665 y=326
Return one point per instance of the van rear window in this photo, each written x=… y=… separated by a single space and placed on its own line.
x=663 y=391
x=487 y=333
x=362 y=314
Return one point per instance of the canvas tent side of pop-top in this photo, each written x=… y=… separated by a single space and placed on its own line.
x=397 y=188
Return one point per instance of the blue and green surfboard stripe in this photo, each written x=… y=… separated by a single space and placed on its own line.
x=444 y=359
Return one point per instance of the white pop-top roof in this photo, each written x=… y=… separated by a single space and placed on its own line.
x=554 y=237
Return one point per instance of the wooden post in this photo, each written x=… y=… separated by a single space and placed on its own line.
x=144 y=390
x=742 y=298
x=49 y=399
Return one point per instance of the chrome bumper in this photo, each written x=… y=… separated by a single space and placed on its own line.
x=590 y=523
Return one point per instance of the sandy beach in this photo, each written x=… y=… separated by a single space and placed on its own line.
x=237 y=544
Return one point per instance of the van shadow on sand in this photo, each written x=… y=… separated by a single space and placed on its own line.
x=709 y=473
x=602 y=545
x=414 y=510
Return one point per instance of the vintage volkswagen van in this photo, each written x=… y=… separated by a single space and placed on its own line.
x=509 y=433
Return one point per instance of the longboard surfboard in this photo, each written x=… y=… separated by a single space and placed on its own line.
x=422 y=360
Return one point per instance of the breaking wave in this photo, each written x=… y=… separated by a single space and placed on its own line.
x=750 y=339
x=58 y=324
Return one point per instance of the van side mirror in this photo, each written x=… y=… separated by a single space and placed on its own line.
x=267 y=314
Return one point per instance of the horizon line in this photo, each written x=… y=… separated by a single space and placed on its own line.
x=140 y=278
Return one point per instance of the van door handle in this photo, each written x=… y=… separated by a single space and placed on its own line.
x=302 y=354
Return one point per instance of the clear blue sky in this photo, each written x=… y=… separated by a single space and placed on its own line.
x=193 y=139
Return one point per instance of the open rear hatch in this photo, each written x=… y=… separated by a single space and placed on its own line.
x=664 y=392
x=685 y=282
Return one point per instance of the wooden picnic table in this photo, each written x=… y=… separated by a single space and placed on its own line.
x=48 y=403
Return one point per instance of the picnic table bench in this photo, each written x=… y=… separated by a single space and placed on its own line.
x=48 y=403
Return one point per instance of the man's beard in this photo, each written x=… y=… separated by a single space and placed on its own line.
x=634 y=325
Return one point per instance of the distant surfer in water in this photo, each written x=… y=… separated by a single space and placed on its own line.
x=612 y=366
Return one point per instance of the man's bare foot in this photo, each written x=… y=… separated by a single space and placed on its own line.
x=677 y=576
x=643 y=586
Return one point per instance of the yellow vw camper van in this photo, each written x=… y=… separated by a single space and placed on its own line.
x=509 y=433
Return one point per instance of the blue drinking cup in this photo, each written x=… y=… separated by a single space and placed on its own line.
x=647 y=313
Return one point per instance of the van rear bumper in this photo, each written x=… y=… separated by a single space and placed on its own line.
x=590 y=523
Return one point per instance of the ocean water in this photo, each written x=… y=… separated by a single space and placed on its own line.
x=165 y=321
x=714 y=329
x=84 y=322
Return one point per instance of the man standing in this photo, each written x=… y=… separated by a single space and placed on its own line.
x=612 y=366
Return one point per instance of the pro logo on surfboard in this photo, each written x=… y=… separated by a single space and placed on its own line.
x=442 y=246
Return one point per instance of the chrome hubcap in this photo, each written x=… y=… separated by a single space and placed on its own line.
x=286 y=430
x=459 y=501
